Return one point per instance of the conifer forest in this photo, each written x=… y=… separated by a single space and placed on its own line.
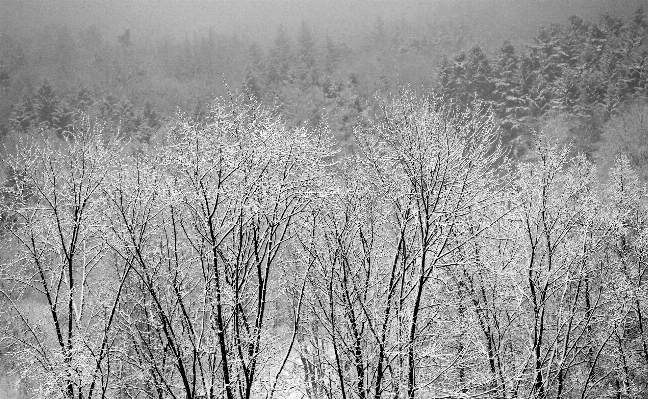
x=323 y=199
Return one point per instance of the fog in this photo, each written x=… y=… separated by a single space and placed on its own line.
x=257 y=20
x=177 y=55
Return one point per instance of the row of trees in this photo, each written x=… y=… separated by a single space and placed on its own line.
x=167 y=73
x=308 y=78
x=588 y=70
x=239 y=260
x=63 y=115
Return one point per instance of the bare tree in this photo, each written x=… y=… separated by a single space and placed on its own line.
x=626 y=256
x=239 y=260
x=565 y=283
x=205 y=231
x=60 y=286
x=388 y=238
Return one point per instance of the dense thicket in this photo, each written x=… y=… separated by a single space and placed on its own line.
x=583 y=69
x=238 y=260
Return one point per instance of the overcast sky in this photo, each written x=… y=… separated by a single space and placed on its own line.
x=258 y=19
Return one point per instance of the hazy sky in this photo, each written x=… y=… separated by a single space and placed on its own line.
x=258 y=19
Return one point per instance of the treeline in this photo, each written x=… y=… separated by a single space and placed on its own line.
x=46 y=110
x=87 y=69
x=313 y=81
x=239 y=260
x=575 y=78
x=582 y=69
x=306 y=78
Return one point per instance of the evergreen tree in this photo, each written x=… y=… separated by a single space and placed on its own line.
x=63 y=120
x=309 y=73
x=46 y=103
x=280 y=58
x=380 y=33
x=125 y=115
x=107 y=107
x=508 y=101
x=254 y=83
x=150 y=115
x=125 y=39
x=640 y=18
x=612 y=25
x=23 y=114
x=4 y=75
x=83 y=99
x=479 y=75
x=468 y=77
x=334 y=54
x=306 y=49
x=454 y=85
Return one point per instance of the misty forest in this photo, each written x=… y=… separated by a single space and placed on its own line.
x=323 y=199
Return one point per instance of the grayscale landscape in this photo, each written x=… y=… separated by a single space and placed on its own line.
x=323 y=199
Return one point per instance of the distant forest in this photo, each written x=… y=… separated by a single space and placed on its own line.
x=208 y=199
x=575 y=77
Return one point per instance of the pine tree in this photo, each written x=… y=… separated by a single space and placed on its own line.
x=46 y=104
x=306 y=49
x=4 y=75
x=255 y=76
x=280 y=58
x=107 y=106
x=467 y=78
x=306 y=68
x=83 y=98
x=334 y=54
x=640 y=18
x=125 y=39
x=23 y=114
x=150 y=115
x=479 y=75
x=453 y=81
x=508 y=103
x=63 y=120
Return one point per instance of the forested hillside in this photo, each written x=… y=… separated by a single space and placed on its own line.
x=571 y=74
x=446 y=200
